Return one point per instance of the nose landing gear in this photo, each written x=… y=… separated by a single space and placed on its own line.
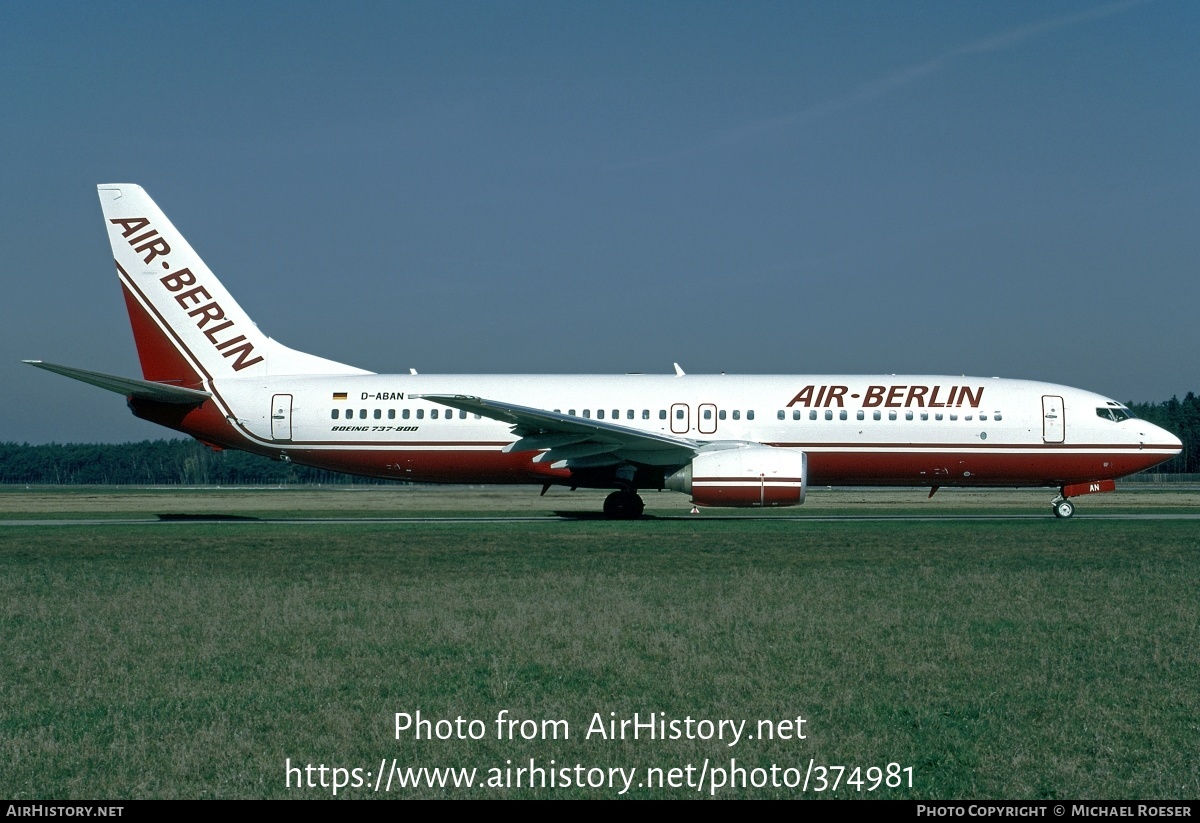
x=1062 y=507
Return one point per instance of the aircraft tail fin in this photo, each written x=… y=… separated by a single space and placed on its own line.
x=187 y=327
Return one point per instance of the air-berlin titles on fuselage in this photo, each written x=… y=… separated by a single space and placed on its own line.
x=152 y=245
x=890 y=397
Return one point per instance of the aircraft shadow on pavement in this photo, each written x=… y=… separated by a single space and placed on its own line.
x=593 y=515
x=207 y=517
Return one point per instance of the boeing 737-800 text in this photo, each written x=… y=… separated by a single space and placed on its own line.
x=726 y=440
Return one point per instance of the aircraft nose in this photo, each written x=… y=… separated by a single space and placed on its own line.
x=1165 y=437
x=1173 y=440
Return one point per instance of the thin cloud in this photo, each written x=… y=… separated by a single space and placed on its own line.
x=896 y=79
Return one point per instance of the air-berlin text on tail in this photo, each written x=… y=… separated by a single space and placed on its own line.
x=150 y=243
x=890 y=397
x=196 y=301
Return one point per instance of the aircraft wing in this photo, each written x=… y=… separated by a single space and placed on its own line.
x=576 y=442
x=162 y=392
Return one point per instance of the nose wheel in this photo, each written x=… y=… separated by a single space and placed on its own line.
x=1062 y=508
x=623 y=505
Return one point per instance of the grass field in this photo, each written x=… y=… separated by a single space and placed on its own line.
x=997 y=658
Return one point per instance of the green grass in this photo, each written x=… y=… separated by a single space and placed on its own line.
x=1002 y=659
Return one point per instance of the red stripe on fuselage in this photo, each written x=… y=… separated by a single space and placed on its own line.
x=432 y=466
x=975 y=468
x=825 y=468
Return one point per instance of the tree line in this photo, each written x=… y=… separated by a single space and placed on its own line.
x=153 y=462
x=187 y=462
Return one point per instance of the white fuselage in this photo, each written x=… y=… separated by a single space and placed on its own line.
x=868 y=430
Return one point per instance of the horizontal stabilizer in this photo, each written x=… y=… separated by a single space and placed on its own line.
x=143 y=389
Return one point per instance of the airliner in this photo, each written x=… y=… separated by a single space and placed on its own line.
x=732 y=441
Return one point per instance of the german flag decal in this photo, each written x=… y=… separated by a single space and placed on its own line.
x=339 y=395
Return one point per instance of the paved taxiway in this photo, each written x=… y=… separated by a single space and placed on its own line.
x=566 y=518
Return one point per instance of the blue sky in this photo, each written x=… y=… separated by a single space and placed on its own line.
x=1003 y=189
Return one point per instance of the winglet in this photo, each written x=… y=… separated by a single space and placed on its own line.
x=678 y=371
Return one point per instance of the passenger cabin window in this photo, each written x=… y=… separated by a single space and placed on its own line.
x=908 y=415
x=405 y=413
x=997 y=416
x=780 y=414
x=721 y=414
x=679 y=414
x=876 y=416
x=645 y=414
x=862 y=415
x=737 y=415
x=662 y=414
x=362 y=414
x=812 y=414
x=891 y=415
x=335 y=414
x=617 y=414
x=750 y=414
x=433 y=414
x=708 y=414
x=420 y=414
x=379 y=414
x=599 y=414
x=842 y=414
x=795 y=414
x=391 y=414
x=829 y=414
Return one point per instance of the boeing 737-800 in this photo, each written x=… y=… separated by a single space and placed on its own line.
x=726 y=440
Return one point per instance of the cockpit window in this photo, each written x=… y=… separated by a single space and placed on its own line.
x=1114 y=413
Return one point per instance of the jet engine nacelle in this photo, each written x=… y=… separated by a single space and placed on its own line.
x=746 y=476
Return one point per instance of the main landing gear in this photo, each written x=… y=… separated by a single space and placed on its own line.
x=1062 y=507
x=623 y=505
